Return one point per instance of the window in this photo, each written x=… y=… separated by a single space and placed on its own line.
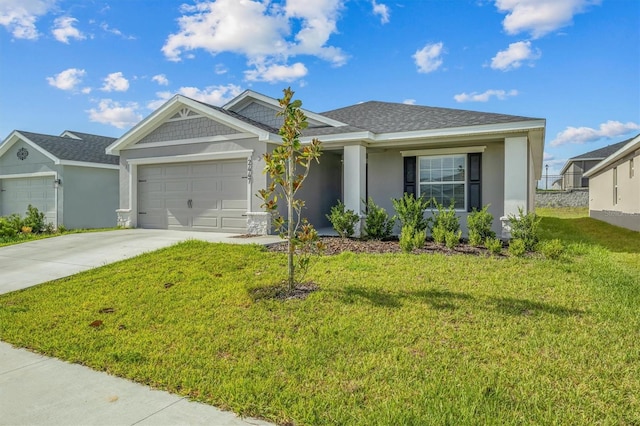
x=615 y=186
x=443 y=178
x=631 y=171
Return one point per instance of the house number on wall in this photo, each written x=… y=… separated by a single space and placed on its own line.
x=22 y=153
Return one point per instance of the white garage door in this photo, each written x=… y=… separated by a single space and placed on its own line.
x=16 y=194
x=207 y=196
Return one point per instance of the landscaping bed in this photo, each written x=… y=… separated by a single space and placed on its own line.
x=337 y=245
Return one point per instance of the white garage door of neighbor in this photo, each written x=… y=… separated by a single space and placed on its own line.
x=17 y=193
x=207 y=196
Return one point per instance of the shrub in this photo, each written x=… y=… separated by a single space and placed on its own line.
x=377 y=223
x=410 y=211
x=411 y=238
x=62 y=229
x=475 y=239
x=525 y=227
x=479 y=223
x=451 y=239
x=552 y=249
x=26 y=229
x=343 y=221
x=494 y=245
x=445 y=222
x=7 y=228
x=34 y=219
x=517 y=248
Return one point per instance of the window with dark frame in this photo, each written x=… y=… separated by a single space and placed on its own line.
x=443 y=178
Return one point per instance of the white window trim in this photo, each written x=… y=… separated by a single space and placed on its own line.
x=465 y=183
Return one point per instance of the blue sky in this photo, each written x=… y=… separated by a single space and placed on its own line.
x=101 y=66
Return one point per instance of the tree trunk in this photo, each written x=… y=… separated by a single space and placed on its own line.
x=290 y=225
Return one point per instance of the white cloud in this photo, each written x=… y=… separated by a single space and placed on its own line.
x=382 y=10
x=540 y=17
x=115 y=82
x=67 y=79
x=263 y=32
x=409 y=102
x=546 y=156
x=580 y=135
x=115 y=114
x=64 y=30
x=485 y=96
x=213 y=95
x=161 y=79
x=514 y=56
x=428 y=59
x=275 y=73
x=105 y=27
x=220 y=69
x=19 y=16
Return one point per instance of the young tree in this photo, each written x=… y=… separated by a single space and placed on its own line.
x=287 y=167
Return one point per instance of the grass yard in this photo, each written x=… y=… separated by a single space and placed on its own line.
x=388 y=339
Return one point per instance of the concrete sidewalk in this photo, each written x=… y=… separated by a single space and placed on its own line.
x=38 y=390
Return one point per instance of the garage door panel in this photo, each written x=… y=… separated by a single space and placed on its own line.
x=153 y=219
x=178 y=218
x=236 y=168
x=239 y=205
x=217 y=191
x=237 y=224
x=18 y=193
x=206 y=185
x=176 y=171
x=205 y=170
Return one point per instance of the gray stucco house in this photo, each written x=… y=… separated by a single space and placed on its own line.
x=572 y=175
x=614 y=190
x=68 y=177
x=195 y=166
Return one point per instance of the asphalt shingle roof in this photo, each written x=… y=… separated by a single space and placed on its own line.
x=89 y=148
x=604 y=152
x=388 y=117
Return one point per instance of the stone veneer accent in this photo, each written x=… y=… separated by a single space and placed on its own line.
x=570 y=198
x=258 y=223
x=124 y=218
x=187 y=129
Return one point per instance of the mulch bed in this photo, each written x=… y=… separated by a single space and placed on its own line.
x=337 y=245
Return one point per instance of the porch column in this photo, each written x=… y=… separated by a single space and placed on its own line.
x=516 y=174
x=354 y=178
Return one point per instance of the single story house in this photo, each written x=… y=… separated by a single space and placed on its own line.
x=572 y=173
x=194 y=166
x=68 y=177
x=614 y=190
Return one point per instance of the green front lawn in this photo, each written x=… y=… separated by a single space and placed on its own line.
x=388 y=339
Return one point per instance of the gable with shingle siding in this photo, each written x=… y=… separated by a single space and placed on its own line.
x=190 y=128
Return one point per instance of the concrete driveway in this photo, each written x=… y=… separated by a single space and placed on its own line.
x=35 y=262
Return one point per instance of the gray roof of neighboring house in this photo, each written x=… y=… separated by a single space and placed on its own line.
x=89 y=148
x=601 y=153
x=388 y=117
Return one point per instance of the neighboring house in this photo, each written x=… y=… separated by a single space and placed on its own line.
x=572 y=174
x=69 y=177
x=614 y=190
x=195 y=166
